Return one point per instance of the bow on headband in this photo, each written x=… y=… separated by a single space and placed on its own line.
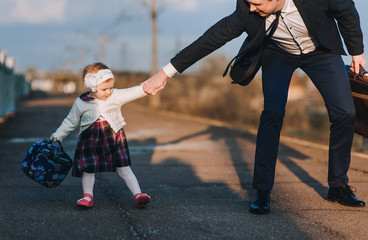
x=92 y=80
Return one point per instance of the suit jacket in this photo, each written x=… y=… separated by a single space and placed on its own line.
x=319 y=16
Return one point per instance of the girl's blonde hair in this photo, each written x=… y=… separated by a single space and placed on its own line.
x=93 y=68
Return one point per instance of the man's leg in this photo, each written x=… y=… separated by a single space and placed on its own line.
x=327 y=71
x=277 y=69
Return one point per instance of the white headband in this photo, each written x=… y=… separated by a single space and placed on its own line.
x=91 y=80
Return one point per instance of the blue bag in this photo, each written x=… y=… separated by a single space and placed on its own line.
x=47 y=163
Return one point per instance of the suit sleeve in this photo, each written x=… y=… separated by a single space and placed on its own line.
x=347 y=18
x=215 y=37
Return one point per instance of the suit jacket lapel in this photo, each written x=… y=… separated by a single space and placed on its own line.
x=306 y=12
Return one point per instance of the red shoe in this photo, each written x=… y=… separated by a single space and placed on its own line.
x=84 y=202
x=141 y=199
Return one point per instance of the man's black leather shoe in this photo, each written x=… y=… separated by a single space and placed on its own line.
x=262 y=204
x=344 y=196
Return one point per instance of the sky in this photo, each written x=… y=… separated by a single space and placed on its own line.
x=50 y=35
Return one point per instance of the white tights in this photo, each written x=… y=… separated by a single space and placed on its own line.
x=126 y=173
x=128 y=176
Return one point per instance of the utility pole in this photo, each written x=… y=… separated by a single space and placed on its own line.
x=103 y=48
x=104 y=38
x=154 y=63
x=154 y=101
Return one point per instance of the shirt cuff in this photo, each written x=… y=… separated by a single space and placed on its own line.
x=169 y=70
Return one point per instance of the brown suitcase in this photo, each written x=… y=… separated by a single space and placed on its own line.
x=359 y=89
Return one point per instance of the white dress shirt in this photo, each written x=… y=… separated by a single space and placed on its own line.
x=291 y=34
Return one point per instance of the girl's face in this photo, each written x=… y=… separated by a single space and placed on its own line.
x=104 y=90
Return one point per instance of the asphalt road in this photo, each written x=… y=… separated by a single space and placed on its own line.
x=198 y=173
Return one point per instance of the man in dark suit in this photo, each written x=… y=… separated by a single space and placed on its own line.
x=306 y=37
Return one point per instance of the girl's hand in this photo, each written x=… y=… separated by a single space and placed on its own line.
x=155 y=83
x=54 y=139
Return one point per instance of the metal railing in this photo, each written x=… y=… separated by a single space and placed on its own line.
x=13 y=87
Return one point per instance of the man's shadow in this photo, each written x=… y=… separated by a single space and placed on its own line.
x=244 y=162
x=176 y=174
x=175 y=183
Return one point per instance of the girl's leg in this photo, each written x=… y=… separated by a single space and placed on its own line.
x=128 y=176
x=88 y=181
x=126 y=173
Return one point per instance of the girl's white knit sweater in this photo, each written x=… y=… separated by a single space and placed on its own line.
x=85 y=113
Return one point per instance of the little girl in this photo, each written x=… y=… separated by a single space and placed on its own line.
x=102 y=145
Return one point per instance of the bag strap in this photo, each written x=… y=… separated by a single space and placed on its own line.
x=59 y=143
x=271 y=29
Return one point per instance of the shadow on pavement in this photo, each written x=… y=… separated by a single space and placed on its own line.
x=183 y=206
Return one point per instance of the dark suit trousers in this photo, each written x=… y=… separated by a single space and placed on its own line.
x=328 y=74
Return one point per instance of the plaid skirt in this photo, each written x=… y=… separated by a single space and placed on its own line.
x=100 y=149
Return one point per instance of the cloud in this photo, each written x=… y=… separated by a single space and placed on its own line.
x=32 y=11
x=187 y=5
x=193 y=5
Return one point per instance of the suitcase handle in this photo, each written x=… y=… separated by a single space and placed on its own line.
x=361 y=73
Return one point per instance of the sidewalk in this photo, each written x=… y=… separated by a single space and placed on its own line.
x=198 y=173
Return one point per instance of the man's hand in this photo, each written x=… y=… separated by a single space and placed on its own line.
x=155 y=83
x=358 y=60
